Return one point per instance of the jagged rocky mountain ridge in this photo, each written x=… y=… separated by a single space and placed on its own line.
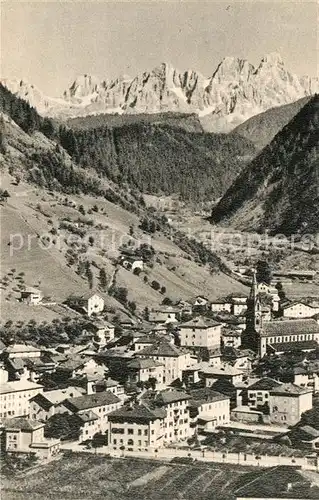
x=236 y=91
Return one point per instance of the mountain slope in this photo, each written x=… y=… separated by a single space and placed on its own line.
x=160 y=159
x=234 y=92
x=279 y=190
x=162 y=156
x=262 y=128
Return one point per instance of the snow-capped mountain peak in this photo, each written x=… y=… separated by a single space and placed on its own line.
x=235 y=91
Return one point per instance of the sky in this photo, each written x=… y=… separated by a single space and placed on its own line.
x=50 y=43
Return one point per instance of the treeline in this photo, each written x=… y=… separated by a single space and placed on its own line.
x=160 y=159
x=24 y=115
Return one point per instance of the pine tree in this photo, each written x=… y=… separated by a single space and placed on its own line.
x=103 y=278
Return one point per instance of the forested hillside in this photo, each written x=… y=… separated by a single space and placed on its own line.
x=160 y=159
x=262 y=128
x=153 y=157
x=279 y=190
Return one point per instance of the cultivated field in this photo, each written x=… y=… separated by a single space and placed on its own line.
x=86 y=476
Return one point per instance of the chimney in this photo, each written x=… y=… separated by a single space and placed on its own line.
x=90 y=388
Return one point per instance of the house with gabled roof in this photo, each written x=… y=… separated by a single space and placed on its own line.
x=26 y=436
x=100 y=404
x=299 y=309
x=259 y=393
x=42 y=406
x=90 y=302
x=174 y=359
x=305 y=436
x=208 y=409
x=145 y=369
x=136 y=427
x=288 y=402
x=32 y=296
x=200 y=332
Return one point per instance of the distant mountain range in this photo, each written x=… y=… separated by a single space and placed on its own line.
x=279 y=190
x=234 y=92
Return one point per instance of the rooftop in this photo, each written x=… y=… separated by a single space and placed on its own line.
x=18 y=385
x=199 y=322
x=289 y=327
x=290 y=390
x=137 y=412
x=221 y=370
x=305 y=345
x=56 y=396
x=17 y=348
x=161 y=348
x=143 y=363
x=21 y=423
x=91 y=401
x=264 y=384
x=88 y=416
x=206 y=395
x=170 y=396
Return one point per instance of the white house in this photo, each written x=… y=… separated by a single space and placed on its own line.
x=174 y=359
x=299 y=310
x=103 y=333
x=136 y=427
x=22 y=351
x=42 y=406
x=93 y=408
x=221 y=305
x=200 y=301
x=225 y=372
x=208 y=409
x=90 y=303
x=164 y=314
x=15 y=398
x=31 y=296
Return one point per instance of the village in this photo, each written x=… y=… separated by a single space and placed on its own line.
x=237 y=376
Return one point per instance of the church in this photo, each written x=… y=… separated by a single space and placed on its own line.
x=277 y=336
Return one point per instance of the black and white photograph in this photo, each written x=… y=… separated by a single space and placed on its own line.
x=159 y=259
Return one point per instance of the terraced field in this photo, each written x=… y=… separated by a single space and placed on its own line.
x=86 y=476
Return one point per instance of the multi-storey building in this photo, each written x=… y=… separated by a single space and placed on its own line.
x=98 y=405
x=174 y=360
x=136 y=427
x=200 y=332
x=15 y=398
x=177 y=423
x=208 y=409
x=288 y=402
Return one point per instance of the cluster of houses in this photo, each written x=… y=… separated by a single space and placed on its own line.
x=187 y=370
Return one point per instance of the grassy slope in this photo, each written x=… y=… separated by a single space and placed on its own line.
x=22 y=215
x=94 y=477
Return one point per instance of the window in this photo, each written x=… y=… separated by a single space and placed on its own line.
x=139 y=432
x=130 y=431
x=114 y=441
x=145 y=432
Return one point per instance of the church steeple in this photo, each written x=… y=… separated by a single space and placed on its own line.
x=253 y=317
